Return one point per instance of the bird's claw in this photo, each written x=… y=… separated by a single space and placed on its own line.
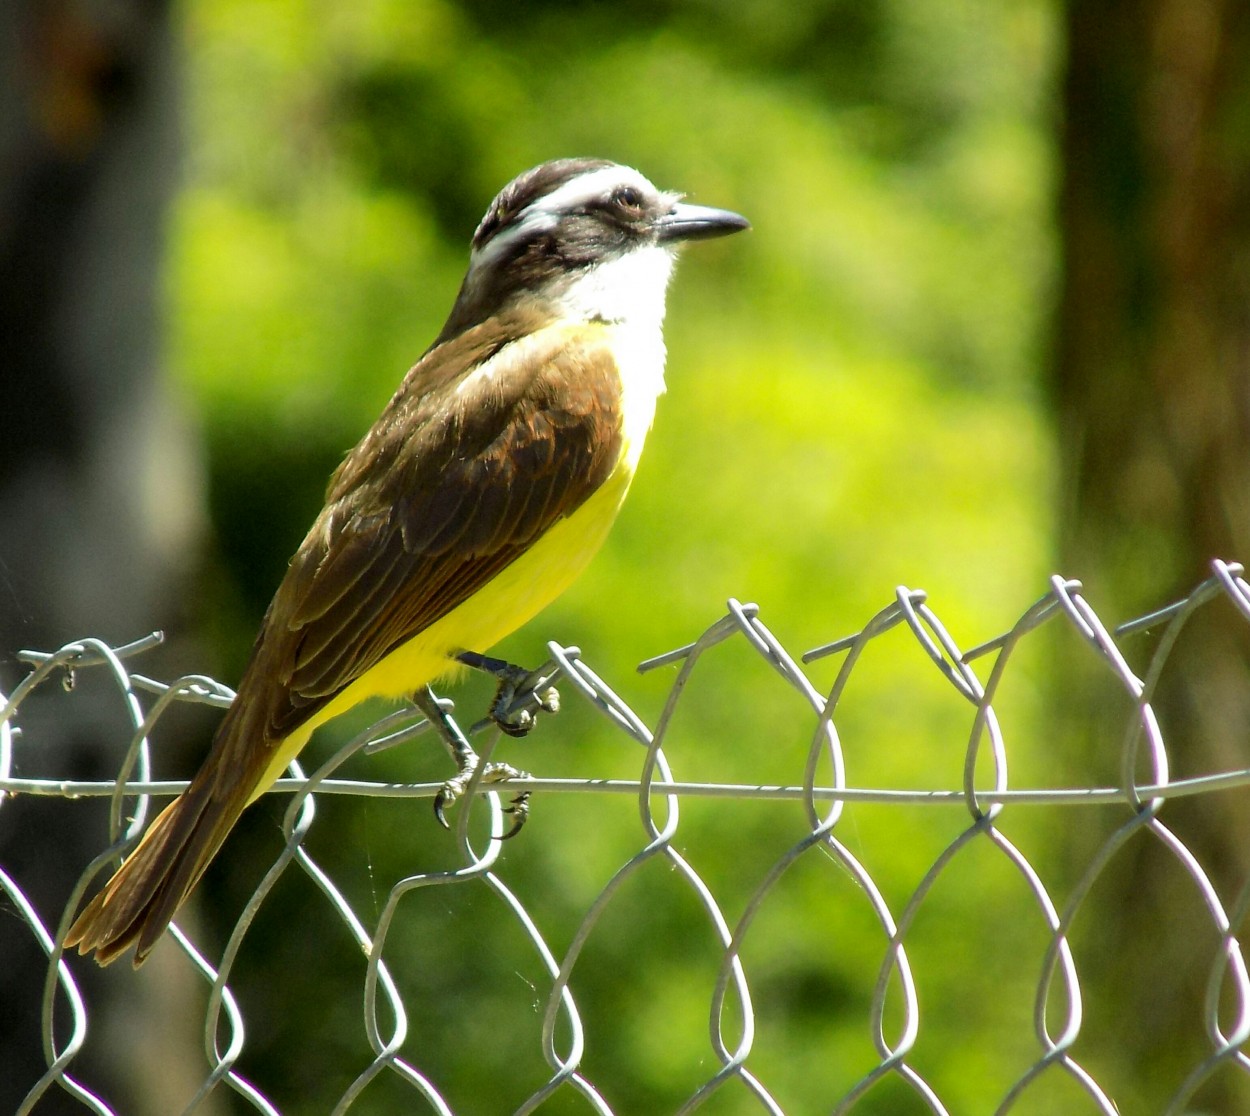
x=519 y=808
x=442 y=800
x=491 y=773
x=518 y=721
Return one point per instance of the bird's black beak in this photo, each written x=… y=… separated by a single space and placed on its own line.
x=698 y=222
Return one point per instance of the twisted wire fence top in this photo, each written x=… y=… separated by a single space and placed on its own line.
x=751 y=905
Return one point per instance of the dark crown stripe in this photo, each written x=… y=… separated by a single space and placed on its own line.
x=527 y=188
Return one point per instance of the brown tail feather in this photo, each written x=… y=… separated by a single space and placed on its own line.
x=144 y=894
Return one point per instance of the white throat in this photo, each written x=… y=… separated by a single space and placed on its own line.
x=627 y=294
x=628 y=290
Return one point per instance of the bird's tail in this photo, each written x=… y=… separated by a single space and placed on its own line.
x=140 y=900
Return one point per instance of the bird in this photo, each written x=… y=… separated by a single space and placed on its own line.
x=477 y=497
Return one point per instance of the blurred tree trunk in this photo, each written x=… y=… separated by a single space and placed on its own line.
x=100 y=496
x=1152 y=391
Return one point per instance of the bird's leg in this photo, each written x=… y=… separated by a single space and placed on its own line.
x=467 y=762
x=514 y=681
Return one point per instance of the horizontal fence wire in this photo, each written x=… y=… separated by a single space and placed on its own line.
x=886 y=1009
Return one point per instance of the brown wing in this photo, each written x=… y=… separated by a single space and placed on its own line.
x=453 y=483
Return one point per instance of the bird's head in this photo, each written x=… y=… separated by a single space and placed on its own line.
x=583 y=238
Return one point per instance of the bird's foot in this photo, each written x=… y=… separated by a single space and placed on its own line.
x=467 y=763
x=521 y=696
x=492 y=773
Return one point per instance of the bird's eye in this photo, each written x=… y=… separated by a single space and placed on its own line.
x=628 y=197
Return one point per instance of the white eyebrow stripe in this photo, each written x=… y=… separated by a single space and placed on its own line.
x=531 y=223
x=586 y=187
x=544 y=213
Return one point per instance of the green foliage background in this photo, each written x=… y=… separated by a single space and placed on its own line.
x=852 y=405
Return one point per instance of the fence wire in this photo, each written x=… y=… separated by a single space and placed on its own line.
x=733 y=1012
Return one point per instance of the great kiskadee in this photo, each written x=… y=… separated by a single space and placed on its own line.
x=482 y=491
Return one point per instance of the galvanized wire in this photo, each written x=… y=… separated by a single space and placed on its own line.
x=821 y=786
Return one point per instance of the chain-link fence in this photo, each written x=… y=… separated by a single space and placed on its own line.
x=744 y=912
